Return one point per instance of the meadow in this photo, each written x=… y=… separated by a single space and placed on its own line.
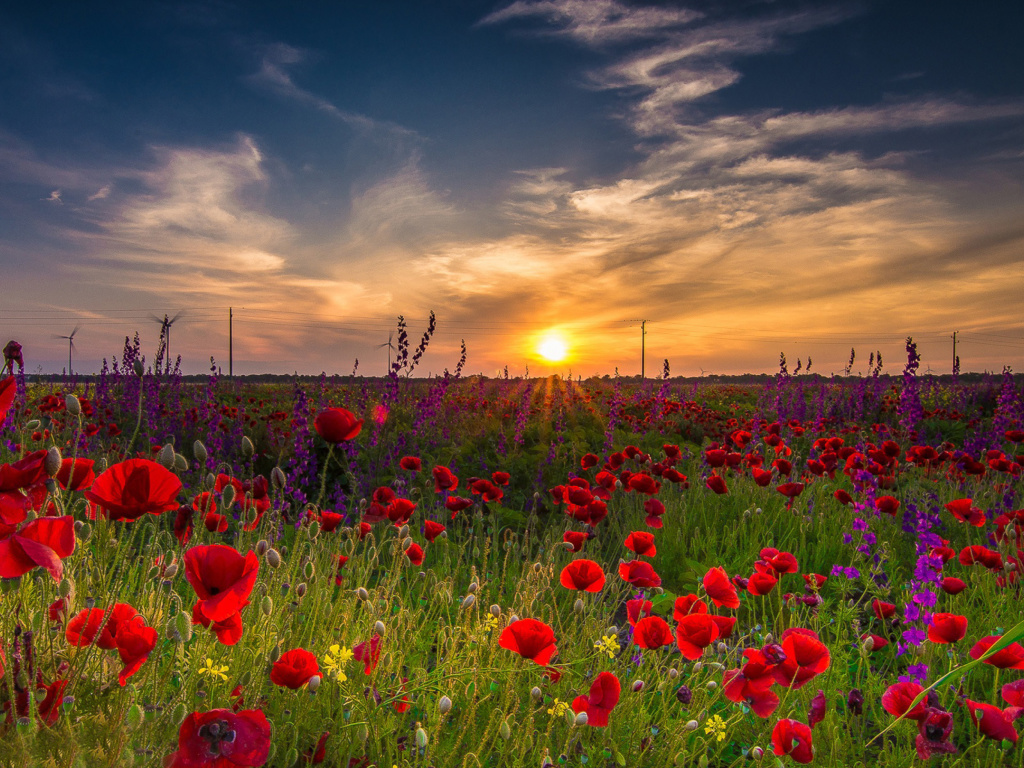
x=469 y=571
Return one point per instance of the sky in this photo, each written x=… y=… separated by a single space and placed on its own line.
x=751 y=178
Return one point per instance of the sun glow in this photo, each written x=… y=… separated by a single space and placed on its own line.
x=553 y=347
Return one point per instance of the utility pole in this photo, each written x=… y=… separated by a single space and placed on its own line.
x=231 y=348
x=954 y=350
x=643 y=334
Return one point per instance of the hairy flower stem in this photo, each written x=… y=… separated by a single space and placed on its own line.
x=138 y=420
x=323 y=477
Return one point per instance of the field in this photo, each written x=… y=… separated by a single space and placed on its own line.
x=465 y=571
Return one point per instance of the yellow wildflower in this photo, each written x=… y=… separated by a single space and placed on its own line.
x=559 y=708
x=715 y=726
x=214 y=671
x=608 y=644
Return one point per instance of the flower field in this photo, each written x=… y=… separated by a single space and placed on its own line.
x=464 y=571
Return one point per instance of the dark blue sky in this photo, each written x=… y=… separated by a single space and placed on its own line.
x=751 y=177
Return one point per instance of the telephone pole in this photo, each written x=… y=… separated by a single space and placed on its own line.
x=231 y=347
x=954 y=351
x=643 y=334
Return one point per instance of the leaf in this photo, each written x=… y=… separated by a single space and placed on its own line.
x=620 y=758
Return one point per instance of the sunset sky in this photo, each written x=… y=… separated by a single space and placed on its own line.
x=749 y=177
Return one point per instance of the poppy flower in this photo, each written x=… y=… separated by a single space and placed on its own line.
x=817 y=711
x=725 y=625
x=947 y=628
x=888 y=505
x=684 y=605
x=410 y=463
x=1013 y=693
x=843 y=497
x=582 y=574
x=500 y=478
x=897 y=698
x=652 y=633
x=368 y=652
x=456 y=504
x=992 y=721
x=487 y=490
x=604 y=695
x=793 y=738
x=589 y=460
x=751 y=683
x=222 y=578
x=400 y=511
x=762 y=477
x=761 y=584
x=717 y=484
x=814 y=580
x=964 y=511
x=1010 y=657
x=43 y=542
x=135 y=641
x=642 y=483
x=294 y=669
x=877 y=641
x=806 y=658
x=444 y=480
x=654 y=510
x=415 y=554
x=337 y=425
x=694 y=633
x=94 y=625
x=531 y=639
x=8 y=389
x=228 y=631
x=221 y=738
x=639 y=574
x=24 y=472
x=951 y=585
x=976 y=553
x=576 y=538
x=75 y=474
x=642 y=543
x=779 y=562
x=130 y=489
x=636 y=608
x=790 y=491
x=933 y=732
x=720 y=589
x=329 y=521
x=432 y=529
x=338 y=578
x=215 y=523
x=883 y=610
x=183 y=524
x=316 y=755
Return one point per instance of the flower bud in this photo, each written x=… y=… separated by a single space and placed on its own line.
x=407 y=542
x=673 y=673
x=170 y=570
x=691 y=725
x=513 y=618
x=32 y=426
x=84 y=530
x=64 y=588
x=568 y=545
x=267 y=606
x=468 y=601
x=495 y=610
x=210 y=481
x=277 y=478
x=72 y=406
x=275 y=653
x=314 y=683
x=261 y=547
x=444 y=705
x=248 y=449
x=362 y=733
x=308 y=570
x=711 y=685
x=362 y=594
x=421 y=738
x=138 y=368
x=300 y=591
x=578 y=606
x=100 y=466
x=504 y=731
x=697 y=667
x=52 y=462
x=180 y=463
x=537 y=567
x=379 y=628
x=199 y=452
x=166 y=456
x=273 y=557
x=537 y=694
x=757 y=753
x=227 y=496
x=638 y=685
x=581 y=718
x=403 y=533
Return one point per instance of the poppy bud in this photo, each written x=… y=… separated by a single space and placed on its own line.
x=421 y=737
x=313 y=684
x=578 y=606
x=134 y=716
x=273 y=557
x=170 y=570
x=248 y=449
x=308 y=571
x=757 y=753
x=691 y=725
x=72 y=406
x=313 y=530
x=267 y=606
x=211 y=480
x=537 y=567
x=638 y=685
x=495 y=610
x=291 y=757
x=362 y=733
x=537 y=694
x=472 y=588
x=468 y=601
x=32 y=426
x=183 y=627
x=722 y=648
x=769 y=639
x=698 y=666
x=178 y=714
x=504 y=731
x=84 y=530
x=673 y=673
x=581 y=718
x=227 y=497
x=612 y=630
x=64 y=588
x=300 y=591
x=403 y=532
x=275 y=653
x=407 y=542
x=444 y=705
x=199 y=452
x=138 y=368
x=277 y=478
x=711 y=685
x=362 y=594
x=180 y=463
x=166 y=456
x=52 y=462
x=379 y=628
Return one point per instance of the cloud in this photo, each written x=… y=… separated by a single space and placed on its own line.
x=54 y=197
x=100 y=194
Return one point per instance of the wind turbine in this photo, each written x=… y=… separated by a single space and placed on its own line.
x=165 y=334
x=71 y=344
x=390 y=347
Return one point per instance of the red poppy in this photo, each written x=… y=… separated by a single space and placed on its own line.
x=183 y=524
x=814 y=580
x=992 y=721
x=947 y=628
x=400 y=511
x=500 y=478
x=793 y=738
x=964 y=511
x=636 y=608
x=877 y=641
x=456 y=504
x=337 y=425
x=444 y=480
x=432 y=529
x=221 y=738
x=684 y=605
x=843 y=497
x=762 y=477
x=411 y=463
x=933 y=732
x=951 y=585
x=639 y=574
x=43 y=542
x=720 y=589
x=81 y=477
x=1013 y=693
x=976 y=553
x=883 y=610
x=415 y=554
x=368 y=652
x=654 y=510
x=576 y=538
x=130 y=489
x=135 y=641
x=589 y=460
x=329 y=521
x=761 y=584
x=215 y=523
x=1010 y=657
x=806 y=658
x=779 y=562
x=897 y=698
x=531 y=639
x=604 y=695
x=582 y=574
x=487 y=490
x=716 y=484
x=751 y=683
x=294 y=669
x=642 y=543
x=342 y=559
x=93 y=625
x=790 y=490
x=888 y=505
x=222 y=578
x=694 y=633
x=228 y=631
x=645 y=484
x=652 y=633
x=316 y=755
x=23 y=473
x=8 y=389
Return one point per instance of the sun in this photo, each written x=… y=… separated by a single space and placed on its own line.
x=553 y=347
